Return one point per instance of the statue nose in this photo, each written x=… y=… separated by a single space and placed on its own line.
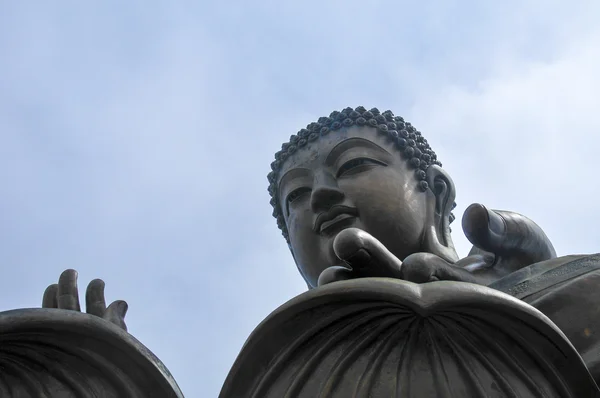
x=325 y=196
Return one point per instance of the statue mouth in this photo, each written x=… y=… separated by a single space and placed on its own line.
x=339 y=221
x=338 y=216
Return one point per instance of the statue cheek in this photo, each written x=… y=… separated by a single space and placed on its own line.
x=290 y=222
x=301 y=219
x=294 y=223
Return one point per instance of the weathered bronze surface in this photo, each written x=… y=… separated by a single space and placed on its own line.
x=58 y=351
x=391 y=311
x=66 y=354
x=383 y=337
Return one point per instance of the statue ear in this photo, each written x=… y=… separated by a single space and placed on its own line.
x=443 y=188
x=444 y=192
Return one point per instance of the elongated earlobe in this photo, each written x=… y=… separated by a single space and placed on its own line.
x=443 y=188
x=439 y=240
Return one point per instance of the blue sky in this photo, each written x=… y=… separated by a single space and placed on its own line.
x=135 y=139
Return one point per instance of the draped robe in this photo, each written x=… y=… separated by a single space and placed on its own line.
x=566 y=290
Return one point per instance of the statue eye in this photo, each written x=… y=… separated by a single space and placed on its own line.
x=354 y=166
x=295 y=194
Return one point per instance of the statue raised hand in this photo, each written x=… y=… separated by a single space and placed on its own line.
x=60 y=351
x=503 y=242
x=64 y=295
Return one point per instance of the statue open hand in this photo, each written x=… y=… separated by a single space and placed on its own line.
x=503 y=242
x=65 y=295
x=365 y=256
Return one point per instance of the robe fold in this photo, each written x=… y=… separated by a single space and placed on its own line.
x=566 y=290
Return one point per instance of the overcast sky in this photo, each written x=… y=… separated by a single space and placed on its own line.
x=135 y=139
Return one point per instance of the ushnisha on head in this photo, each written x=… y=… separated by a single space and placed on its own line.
x=367 y=169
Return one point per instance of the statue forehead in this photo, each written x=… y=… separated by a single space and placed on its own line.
x=315 y=152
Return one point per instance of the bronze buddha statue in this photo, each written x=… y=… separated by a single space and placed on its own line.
x=376 y=173
x=391 y=310
x=362 y=199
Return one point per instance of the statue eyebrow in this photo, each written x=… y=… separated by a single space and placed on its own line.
x=290 y=175
x=343 y=146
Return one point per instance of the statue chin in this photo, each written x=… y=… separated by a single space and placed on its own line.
x=386 y=337
x=58 y=353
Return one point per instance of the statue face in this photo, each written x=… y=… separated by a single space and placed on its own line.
x=354 y=177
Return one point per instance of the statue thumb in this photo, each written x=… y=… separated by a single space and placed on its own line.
x=484 y=228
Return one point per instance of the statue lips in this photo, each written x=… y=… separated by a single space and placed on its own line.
x=336 y=216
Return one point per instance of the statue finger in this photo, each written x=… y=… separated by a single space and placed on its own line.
x=485 y=229
x=526 y=237
x=427 y=267
x=506 y=234
x=420 y=268
x=115 y=313
x=50 y=299
x=334 y=274
x=68 y=296
x=95 y=304
x=365 y=254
